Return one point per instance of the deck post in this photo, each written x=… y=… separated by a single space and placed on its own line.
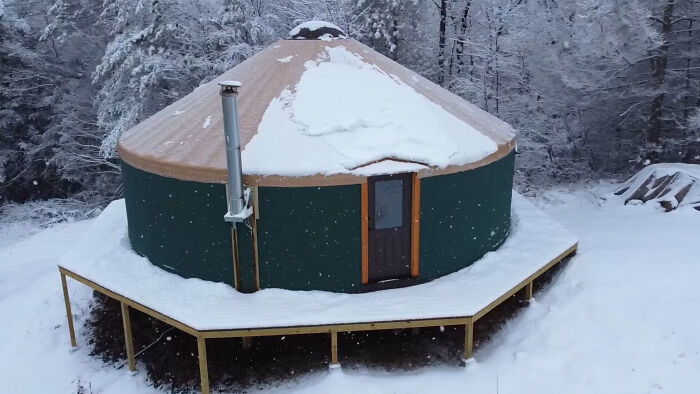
x=468 y=339
x=334 y=349
x=128 y=338
x=203 y=368
x=69 y=313
x=528 y=291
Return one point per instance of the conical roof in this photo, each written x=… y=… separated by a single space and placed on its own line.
x=319 y=112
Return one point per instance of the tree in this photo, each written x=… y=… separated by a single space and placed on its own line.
x=400 y=30
x=30 y=79
x=74 y=40
x=382 y=26
x=442 y=36
x=659 y=64
x=163 y=49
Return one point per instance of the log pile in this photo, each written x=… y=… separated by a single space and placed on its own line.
x=671 y=186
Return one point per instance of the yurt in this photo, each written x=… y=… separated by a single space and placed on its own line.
x=355 y=174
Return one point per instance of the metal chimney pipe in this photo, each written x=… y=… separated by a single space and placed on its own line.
x=229 y=103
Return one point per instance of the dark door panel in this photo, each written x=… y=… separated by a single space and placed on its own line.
x=389 y=227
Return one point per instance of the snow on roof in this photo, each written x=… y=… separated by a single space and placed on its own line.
x=103 y=256
x=321 y=109
x=388 y=167
x=345 y=113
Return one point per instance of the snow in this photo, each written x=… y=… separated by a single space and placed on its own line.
x=104 y=257
x=661 y=169
x=286 y=59
x=207 y=122
x=34 y=350
x=618 y=319
x=388 y=167
x=371 y=117
x=313 y=26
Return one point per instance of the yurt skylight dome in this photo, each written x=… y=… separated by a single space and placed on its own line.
x=316 y=30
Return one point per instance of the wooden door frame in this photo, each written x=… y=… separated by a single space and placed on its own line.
x=414 y=227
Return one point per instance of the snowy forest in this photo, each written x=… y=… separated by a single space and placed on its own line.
x=596 y=88
x=409 y=242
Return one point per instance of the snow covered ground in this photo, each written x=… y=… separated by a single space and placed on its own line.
x=622 y=317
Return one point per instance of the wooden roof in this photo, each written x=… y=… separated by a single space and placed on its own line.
x=185 y=140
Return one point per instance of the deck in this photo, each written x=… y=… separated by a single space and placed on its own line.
x=103 y=261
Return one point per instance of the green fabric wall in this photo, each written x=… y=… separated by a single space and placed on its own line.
x=180 y=227
x=309 y=238
x=464 y=216
x=246 y=258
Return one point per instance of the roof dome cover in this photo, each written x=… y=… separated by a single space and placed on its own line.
x=315 y=30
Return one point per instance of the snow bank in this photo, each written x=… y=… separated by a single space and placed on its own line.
x=371 y=116
x=104 y=257
x=665 y=185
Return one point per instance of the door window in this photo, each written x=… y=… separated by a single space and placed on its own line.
x=388 y=203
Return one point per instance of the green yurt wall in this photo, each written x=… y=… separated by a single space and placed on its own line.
x=179 y=226
x=309 y=238
x=464 y=216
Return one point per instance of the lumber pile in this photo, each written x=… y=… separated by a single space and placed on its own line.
x=670 y=186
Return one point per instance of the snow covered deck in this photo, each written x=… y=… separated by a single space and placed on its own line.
x=103 y=257
x=103 y=260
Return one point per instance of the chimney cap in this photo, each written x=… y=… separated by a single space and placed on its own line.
x=230 y=84
x=316 y=30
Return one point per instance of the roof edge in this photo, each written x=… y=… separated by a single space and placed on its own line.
x=218 y=175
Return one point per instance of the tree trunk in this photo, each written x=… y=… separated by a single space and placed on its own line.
x=462 y=37
x=659 y=64
x=394 y=36
x=441 y=42
x=686 y=99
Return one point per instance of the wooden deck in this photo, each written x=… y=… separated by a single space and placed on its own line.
x=331 y=329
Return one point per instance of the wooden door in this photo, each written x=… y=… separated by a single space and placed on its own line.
x=389 y=227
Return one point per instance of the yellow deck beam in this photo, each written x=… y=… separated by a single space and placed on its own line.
x=334 y=348
x=468 y=340
x=329 y=328
x=128 y=338
x=528 y=291
x=203 y=367
x=69 y=313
